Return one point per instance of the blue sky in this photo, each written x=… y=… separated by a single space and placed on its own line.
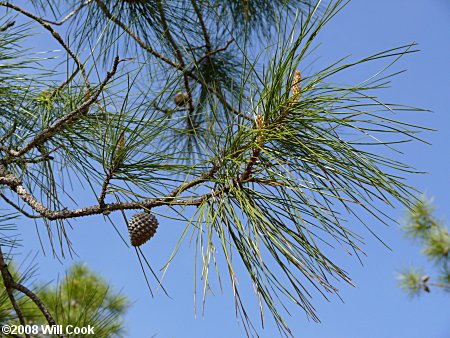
x=376 y=307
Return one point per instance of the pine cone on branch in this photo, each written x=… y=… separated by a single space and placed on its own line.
x=141 y=227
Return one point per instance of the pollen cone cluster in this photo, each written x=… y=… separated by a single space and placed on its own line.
x=141 y=227
x=259 y=123
x=296 y=88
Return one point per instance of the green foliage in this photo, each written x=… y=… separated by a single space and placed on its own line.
x=410 y=281
x=80 y=299
x=420 y=221
x=437 y=245
x=422 y=225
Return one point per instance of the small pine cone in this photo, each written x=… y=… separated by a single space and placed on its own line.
x=181 y=99
x=141 y=227
x=296 y=88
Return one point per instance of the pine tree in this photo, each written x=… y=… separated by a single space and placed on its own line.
x=80 y=299
x=422 y=226
x=210 y=108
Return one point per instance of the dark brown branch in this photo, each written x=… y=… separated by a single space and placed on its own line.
x=67 y=81
x=108 y=178
x=9 y=180
x=249 y=167
x=259 y=121
x=210 y=195
x=30 y=294
x=44 y=158
x=54 y=33
x=202 y=25
x=10 y=133
x=218 y=50
x=9 y=284
x=205 y=177
x=117 y=160
x=8 y=150
x=259 y=125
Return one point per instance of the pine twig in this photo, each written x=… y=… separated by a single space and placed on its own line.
x=68 y=16
x=7 y=26
x=70 y=117
x=19 y=209
x=218 y=50
x=202 y=25
x=259 y=123
x=54 y=33
x=440 y=285
x=9 y=133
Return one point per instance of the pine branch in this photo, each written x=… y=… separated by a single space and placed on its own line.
x=68 y=119
x=15 y=185
x=54 y=33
